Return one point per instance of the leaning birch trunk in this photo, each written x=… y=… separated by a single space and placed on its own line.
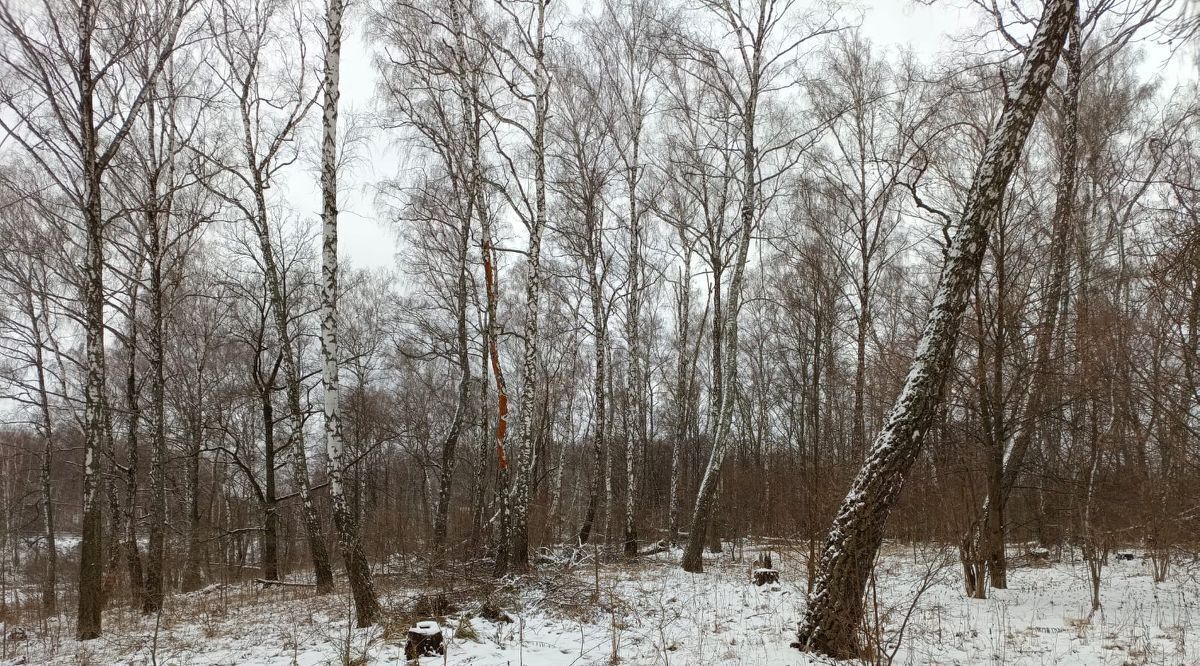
x=725 y=325
x=1035 y=398
x=527 y=463
x=835 y=607
x=471 y=182
x=366 y=604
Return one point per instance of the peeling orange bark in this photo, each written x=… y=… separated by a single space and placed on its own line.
x=489 y=275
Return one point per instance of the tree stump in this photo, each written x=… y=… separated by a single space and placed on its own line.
x=424 y=640
x=765 y=577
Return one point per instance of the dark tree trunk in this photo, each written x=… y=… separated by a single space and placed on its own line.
x=191 y=567
x=987 y=534
x=91 y=575
x=270 y=534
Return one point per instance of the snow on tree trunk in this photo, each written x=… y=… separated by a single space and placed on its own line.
x=366 y=604
x=835 y=607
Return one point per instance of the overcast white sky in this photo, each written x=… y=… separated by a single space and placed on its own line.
x=367 y=240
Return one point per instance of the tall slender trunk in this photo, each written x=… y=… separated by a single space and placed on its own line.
x=634 y=402
x=835 y=608
x=450 y=444
x=493 y=352
x=91 y=593
x=478 y=495
x=299 y=459
x=156 y=551
x=133 y=411
x=682 y=398
x=527 y=462
x=858 y=429
x=725 y=341
x=191 y=579
x=595 y=247
x=46 y=428
x=366 y=604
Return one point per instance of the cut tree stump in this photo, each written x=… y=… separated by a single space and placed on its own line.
x=765 y=577
x=424 y=640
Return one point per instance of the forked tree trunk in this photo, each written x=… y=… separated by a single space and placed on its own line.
x=471 y=181
x=358 y=570
x=725 y=348
x=682 y=408
x=308 y=510
x=835 y=609
x=493 y=351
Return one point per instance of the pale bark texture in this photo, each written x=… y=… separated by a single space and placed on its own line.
x=835 y=606
x=366 y=604
x=523 y=485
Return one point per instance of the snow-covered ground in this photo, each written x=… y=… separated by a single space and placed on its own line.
x=653 y=613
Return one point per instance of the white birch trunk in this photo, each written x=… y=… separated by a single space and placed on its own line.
x=366 y=604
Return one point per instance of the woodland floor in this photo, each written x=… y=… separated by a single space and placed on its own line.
x=653 y=613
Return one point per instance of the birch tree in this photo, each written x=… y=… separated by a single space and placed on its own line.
x=744 y=79
x=70 y=110
x=525 y=55
x=366 y=605
x=836 y=601
x=269 y=106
